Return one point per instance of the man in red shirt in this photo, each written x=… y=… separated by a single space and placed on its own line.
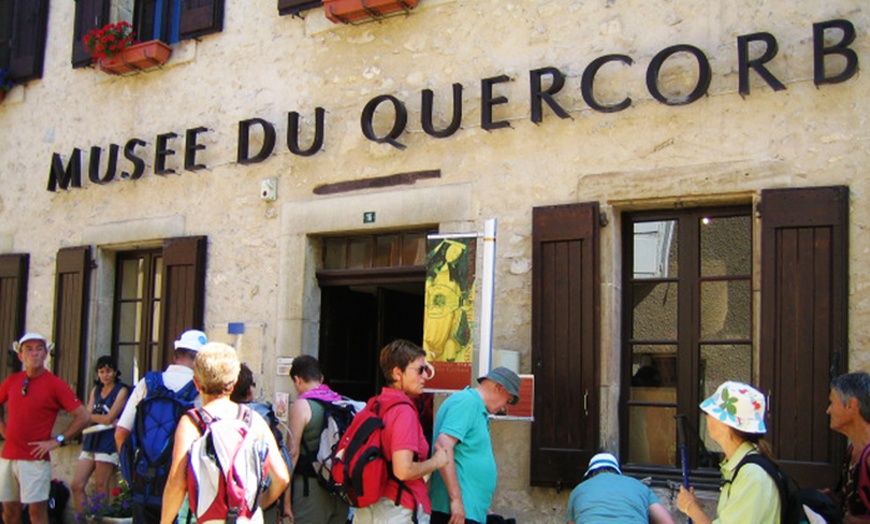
x=33 y=398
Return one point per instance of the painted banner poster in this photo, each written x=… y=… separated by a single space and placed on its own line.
x=448 y=324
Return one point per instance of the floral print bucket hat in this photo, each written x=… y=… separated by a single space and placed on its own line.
x=738 y=405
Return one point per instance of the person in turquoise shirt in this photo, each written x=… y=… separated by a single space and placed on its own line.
x=605 y=496
x=462 y=490
x=735 y=420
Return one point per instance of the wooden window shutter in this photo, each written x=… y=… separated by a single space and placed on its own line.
x=201 y=17
x=803 y=339
x=183 y=292
x=71 y=292
x=294 y=7
x=565 y=342
x=6 y=20
x=27 y=50
x=90 y=14
x=13 y=301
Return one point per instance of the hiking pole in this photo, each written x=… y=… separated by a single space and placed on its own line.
x=684 y=453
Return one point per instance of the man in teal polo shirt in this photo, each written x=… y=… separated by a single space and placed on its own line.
x=461 y=491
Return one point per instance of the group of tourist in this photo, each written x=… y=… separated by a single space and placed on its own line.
x=453 y=482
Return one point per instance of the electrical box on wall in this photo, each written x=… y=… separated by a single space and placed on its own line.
x=269 y=189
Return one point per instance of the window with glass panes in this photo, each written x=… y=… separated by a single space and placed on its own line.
x=136 y=333
x=688 y=323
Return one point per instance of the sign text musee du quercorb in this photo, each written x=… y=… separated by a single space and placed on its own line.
x=839 y=34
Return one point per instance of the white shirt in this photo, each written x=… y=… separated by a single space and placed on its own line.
x=175 y=378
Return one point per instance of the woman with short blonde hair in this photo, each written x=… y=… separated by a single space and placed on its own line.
x=215 y=373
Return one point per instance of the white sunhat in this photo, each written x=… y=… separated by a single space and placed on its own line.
x=739 y=406
x=602 y=460
x=191 y=340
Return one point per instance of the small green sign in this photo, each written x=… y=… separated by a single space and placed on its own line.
x=369 y=217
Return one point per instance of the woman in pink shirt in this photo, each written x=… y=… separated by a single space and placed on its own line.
x=405 y=369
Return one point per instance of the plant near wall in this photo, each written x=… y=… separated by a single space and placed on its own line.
x=109 y=40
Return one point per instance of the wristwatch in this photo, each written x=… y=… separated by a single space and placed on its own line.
x=60 y=440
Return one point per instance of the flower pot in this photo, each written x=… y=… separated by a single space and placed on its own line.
x=349 y=11
x=118 y=520
x=137 y=57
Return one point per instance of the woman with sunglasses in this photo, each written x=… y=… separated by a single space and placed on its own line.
x=99 y=455
x=405 y=369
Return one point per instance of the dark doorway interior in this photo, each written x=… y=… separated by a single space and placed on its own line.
x=357 y=321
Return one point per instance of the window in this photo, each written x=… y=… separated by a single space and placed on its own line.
x=689 y=324
x=688 y=321
x=22 y=37
x=166 y=20
x=294 y=7
x=158 y=294
x=369 y=251
x=136 y=311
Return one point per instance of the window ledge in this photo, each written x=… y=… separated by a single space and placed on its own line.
x=316 y=21
x=183 y=52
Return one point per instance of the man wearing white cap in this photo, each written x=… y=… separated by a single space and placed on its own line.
x=178 y=377
x=462 y=490
x=605 y=495
x=34 y=397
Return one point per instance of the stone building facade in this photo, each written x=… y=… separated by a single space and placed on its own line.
x=603 y=136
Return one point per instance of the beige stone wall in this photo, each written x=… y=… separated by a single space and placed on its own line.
x=262 y=256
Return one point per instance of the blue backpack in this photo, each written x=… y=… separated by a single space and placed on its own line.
x=146 y=456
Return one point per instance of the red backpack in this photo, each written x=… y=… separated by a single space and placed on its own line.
x=360 y=468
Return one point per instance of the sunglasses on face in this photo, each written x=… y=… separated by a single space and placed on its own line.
x=24 y=387
x=426 y=370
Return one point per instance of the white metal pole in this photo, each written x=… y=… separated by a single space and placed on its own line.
x=487 y=296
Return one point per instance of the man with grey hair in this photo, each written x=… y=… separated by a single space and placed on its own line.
x=849 y=410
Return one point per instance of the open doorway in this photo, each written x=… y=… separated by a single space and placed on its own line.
x=356 y=322
x=372 y=292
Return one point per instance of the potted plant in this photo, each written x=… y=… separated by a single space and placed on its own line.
x=116 y=507
x=6 y=83
x=116 y=51
x=350 y=11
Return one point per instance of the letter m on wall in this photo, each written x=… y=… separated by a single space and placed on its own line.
x=565 y=342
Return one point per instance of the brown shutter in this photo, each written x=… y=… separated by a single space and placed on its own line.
x=71 y=288
x=90 y=14
x=565 y=342
x=13 y=301
x=294 y=7
x=29 y=19
x=201 y=17
x=804 y=253
x=183 y=293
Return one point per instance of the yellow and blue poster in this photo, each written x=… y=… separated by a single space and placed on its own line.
x=448 y=325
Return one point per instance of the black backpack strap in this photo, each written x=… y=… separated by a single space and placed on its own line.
x=774 y=472
x=377 y=408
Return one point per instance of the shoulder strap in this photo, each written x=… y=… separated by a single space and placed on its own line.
x=201 y=418
x=246 y=415
x=773 y=472
x=153 y=381
x=188 y=392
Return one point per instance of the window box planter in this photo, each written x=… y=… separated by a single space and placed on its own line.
x=137 y=57
x=350 y=11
